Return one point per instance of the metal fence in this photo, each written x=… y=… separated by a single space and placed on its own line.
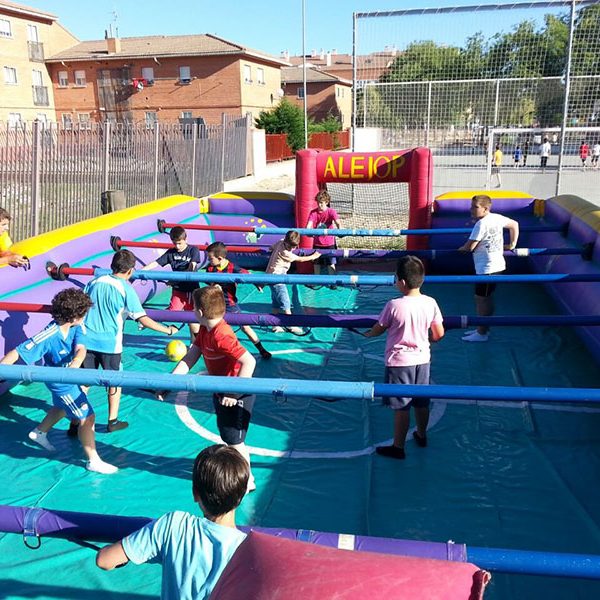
x=52 y=176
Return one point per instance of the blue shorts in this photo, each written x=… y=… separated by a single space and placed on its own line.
x=280 y=298
x=75 y=404
x=410 y=375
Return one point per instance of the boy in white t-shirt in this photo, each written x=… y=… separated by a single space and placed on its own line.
x=411 y=322
x=486 y=243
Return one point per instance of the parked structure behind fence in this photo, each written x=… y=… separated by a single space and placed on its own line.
x=52 y=176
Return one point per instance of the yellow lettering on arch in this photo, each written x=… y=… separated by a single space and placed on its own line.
x=376 y=164
x=398 y=161
x=329 y=168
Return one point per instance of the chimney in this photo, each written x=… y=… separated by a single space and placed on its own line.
x=313 y=52
x=285 y=54
x=328 y=60
x=322 y=54
x=113 y=45
x=334 y=52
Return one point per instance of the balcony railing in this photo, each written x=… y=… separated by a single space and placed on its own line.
x=40 y=95
x=36 y=51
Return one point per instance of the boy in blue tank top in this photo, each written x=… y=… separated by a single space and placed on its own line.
x=193 y=551
x=60 y=344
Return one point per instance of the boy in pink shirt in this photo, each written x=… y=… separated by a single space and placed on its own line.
x=411 y=322
x=324 y=217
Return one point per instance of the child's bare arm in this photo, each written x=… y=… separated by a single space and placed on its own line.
x=152 y=265
x=468 y=246
x=513 y=228
x=111 y=556
x=313 y=256
x=78 y=357
x=376 y=330
x=11 y=358
x=248 y=364
x=436 y=332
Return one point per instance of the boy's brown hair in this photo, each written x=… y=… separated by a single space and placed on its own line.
x=4 y=214
x=411 y=270
x=292 y=238
x=219 y=479
x=218 y=249
x=323 y=196
x=482 y=200
x=69 y=305
x=210 y=301
x=122 y=261
x=177 y=234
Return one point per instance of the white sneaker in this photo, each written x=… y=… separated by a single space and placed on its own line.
x=475 y=337
x=277 y=329
x=41 y=438
x=99 y=466
x=296 y=330
x=466 y=333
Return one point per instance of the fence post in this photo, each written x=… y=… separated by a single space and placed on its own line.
x=106 y=155
x=194 y=148
x=156 y=138
x=428 y=115
x=36 y=203
x=497 y=103
x=223 y=125
x=490 y=154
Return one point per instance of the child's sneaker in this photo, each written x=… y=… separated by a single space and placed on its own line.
x=277 y=329
x=475 y=337
x=41 y=438
x=265 y=354
x=73 y=430
x=391 y=452
x=420 y=440
x=296 y=330
x=116 y=425
x=99 y=466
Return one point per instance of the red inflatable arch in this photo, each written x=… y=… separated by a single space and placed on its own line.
x=314 y=169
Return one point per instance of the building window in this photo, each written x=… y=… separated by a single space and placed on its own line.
x=5 y=30
x=300 y=93
x=84 y=121
x=185 y=75
x=260 y=76
x=32 y=33
x=148 y=75
x=80 y=80
x=10 y=75
x=14 y=119
x=63 y=79
x=151 y=119
x=67 y=121
x=187 y=114
x=247 y=74
x=37 y=78
x=42 y=118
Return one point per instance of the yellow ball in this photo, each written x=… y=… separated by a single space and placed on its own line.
x=175 y=350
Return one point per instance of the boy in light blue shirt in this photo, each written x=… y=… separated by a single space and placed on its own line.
x=193 y=551
x=114 y=300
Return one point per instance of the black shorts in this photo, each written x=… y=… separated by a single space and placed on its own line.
x=233 y=421
x=109 y=362
x=326 y=260
x=485 y=290
x=410 y=375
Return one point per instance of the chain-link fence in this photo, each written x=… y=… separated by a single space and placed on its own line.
x=52 y=176
x=450 y=77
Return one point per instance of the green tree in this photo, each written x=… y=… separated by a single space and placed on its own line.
x=284 y=118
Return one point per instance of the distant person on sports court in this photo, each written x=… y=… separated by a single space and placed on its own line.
x=216 y=254
x=411 y=322
x=193 y=551
x=595 y=154
x=181 y=257
x=114 y=299
x=497 y=164
x=517 y=156
x=6 y=256
x=545 y=152
x=525 y=151
x=324 y=217
x=226 y=357
x=279 y=264
x=584 y=152
x=60 y=344
x=486 y=243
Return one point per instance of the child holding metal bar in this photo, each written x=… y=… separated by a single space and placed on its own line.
x=224 y=356
x=281 y=259
x=61 y=344
x=324 y=217
x=411 y=322
x=6 y=256
x=193 y=551
x=216 y=254
x=182 y=257
x=486 y=243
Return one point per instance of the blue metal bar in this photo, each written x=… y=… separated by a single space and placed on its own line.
x=346 y=280
x=530 y=562
x=433 y=253
x=291 y=387
x=260 y=231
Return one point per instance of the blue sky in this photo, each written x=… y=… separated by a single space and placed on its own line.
x=270 y=25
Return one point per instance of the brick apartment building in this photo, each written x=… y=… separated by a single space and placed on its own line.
x=27 y=37
x=327 y=94
x=162 y=78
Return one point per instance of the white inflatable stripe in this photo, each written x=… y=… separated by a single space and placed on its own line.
x=346 y=541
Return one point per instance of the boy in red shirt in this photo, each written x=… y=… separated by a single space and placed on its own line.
x=218 y=262
x=223 y=356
